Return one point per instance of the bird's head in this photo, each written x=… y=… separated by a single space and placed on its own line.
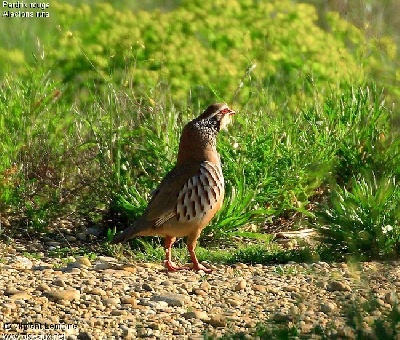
x=218 y=114
x=198 y=140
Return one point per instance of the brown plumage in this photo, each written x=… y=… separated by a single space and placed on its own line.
x=192 y=192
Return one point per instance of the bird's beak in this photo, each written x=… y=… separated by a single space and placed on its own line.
x=226 y=118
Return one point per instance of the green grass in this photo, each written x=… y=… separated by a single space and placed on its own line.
x=238 y=251
x=112 y=154
x=362 y=220
x=95 y=152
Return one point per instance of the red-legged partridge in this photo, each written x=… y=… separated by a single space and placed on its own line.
x=191 y=193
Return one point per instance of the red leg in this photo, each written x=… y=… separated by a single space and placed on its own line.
x=168 y=242
x=191 y=244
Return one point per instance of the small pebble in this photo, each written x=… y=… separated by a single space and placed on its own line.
x=130 y=301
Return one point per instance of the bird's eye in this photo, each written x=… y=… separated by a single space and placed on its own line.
x=224 y=111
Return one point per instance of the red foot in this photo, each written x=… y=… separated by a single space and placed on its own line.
x=199 y=266
x=172 y=268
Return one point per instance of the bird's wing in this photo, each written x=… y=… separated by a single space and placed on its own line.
x=162 y=205
x=186 y=193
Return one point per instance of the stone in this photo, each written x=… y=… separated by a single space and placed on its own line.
x=129 y=300
x=152 y=265
x=200 y=315
x=84 y=336
x=66 y=294
x=98 y=291
x=59 y=282
x=118 y=312
x=20 y=295
x=11 y=291
x=217 y=320
x=94 y=231
x=294 y=311
x=234 y=302
x=20 y=262
x=142 y=332
x=200 y=292
x=259 y=288
x=328 y=307
x=129 y=268
x=241 y=285
x=172 y=299
x=205 y=286
x=272 y=290
x=147 y=287
x=291 y=289
x=345 y=332
x=101 y=266
x=338 y=286
x=391 y=298
x=167 y=283
x=127 y=332
x=379 y=302
x=43 y=287
x=321 y=284
x=111 y=301
x=83 y=261
x=249 y=322
x=281 y=317
x=9 y=305
x=108 y=259
x=154 y=304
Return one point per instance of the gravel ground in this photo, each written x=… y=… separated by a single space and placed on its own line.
x=77 y=298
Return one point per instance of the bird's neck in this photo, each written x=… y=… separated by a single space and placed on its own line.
x=197 y=144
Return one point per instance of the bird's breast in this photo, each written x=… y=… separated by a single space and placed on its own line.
x=202 y=195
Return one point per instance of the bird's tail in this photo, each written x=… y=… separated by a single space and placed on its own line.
x=130 y=232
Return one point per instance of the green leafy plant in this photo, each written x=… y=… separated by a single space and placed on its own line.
x=238 y=210
x=364 y=220
x=98 y=44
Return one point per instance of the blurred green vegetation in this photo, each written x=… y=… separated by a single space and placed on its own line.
x=197 y=46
